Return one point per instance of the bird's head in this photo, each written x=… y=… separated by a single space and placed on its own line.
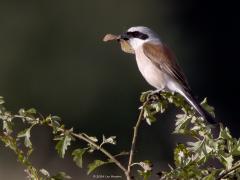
x=137 y=36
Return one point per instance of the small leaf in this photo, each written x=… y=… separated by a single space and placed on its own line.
x=95 y=164
x=226 y=160
x=63 y=144
x=31 y=111
x=91 y=148
x=182 y=123
x=44 y=172
x=22 y=112
x=110 y=140
x=148 y=115
x=1 y=100
x=55 y=123
x=92 y=138
x=225 y=134
x=56 y=118
x=78 y=156
x=9 y=142
x=26 y=134
x=145 y=175
x=146 y=165
x=211 y=176
x=236 y=148
x=8 y=126
x=61 y=176
x=144 y=96
x=208 y=108
x=181 y=155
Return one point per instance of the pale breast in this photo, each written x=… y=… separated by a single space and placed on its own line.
x=152 y=74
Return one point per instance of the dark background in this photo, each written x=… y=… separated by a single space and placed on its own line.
x=52 y=58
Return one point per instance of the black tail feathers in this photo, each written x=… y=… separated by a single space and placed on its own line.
x=201 y=111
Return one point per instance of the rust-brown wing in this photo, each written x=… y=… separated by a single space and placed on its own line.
x=162 y=57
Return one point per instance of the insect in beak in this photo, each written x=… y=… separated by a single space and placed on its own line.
x=122 y=39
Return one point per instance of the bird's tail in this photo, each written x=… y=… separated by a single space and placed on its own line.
x=201 y=111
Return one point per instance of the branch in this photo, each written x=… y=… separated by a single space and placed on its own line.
x=229 y=171
x=105 y=152
x=82 y=137
x=135 y=132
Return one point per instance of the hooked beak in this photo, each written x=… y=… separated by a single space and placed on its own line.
x=124 y=36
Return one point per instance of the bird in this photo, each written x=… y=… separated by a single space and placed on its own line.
x=159 y=66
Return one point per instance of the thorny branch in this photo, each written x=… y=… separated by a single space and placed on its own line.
x=186 y=123
x=135 y=132
x=105 y=152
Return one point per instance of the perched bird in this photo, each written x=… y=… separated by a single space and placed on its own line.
x=159 y=67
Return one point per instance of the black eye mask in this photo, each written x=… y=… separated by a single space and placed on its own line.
x=137 y=34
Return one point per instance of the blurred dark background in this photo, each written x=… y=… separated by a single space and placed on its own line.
x=52 y=58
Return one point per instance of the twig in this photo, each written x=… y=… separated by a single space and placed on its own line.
x=135 y=132
x=105 y=152
x=98 y=147
x=229 y=171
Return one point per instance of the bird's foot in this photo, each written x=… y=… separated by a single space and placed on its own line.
x=154 y=96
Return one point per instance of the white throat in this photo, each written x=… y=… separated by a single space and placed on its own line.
x=136 y=43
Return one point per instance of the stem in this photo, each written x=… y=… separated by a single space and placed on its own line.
x=135 y=132
x=105 y=152
x=79 y=136
x=229 y=171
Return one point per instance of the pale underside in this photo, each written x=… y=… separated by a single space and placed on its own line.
x=158 y=69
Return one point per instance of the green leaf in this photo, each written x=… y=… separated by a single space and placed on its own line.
x=31 y=111
x=211 y=176
x=148 y=115
x=44 y=172
x=1 y=100
x=9 y=142
x=109 y=140
x=144 y=96
x=95 y=164
x=61 y=176
x=225 y=133
x=208 y=108
x=22 y=112
x=145 y=174
x=160 y=106
x=26 y=135
x=194 y=146
x=236 y=148
x=78 y=156
x=55 y=123
x=181 y=155
x=63 y=144
x=182 y=123
x=226 y=160
x=8 y=126
x=146 y=165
